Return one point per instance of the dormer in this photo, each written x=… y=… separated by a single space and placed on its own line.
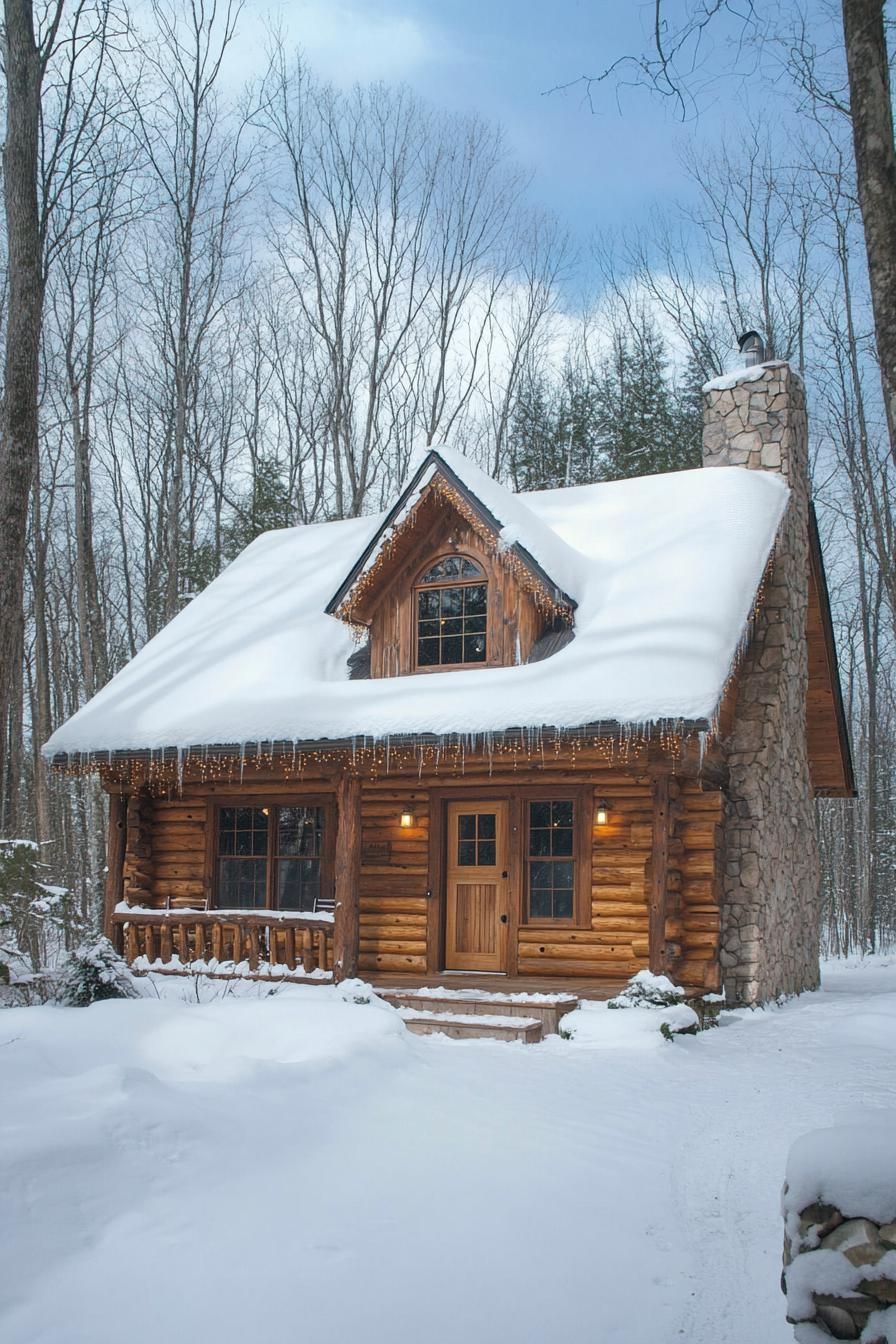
x=449 y=582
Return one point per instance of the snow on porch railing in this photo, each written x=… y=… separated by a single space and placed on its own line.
x=258 y=943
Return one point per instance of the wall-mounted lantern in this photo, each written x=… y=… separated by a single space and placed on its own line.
x=406 y=820
x=602 y=815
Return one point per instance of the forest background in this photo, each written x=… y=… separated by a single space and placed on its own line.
x=257 y=298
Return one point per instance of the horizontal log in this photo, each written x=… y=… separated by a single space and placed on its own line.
x=634 y=890
x=416 y=948
x=178 y=887
x=701 y=923
x=711 y=804
x=602 y=923
x=188 y=833
x=699 y=835
x=633 y=871
x=699 y=891
x=697 y=863
x=386 y=920
x=621 y=969
x=626 y=909
x=387 y=961
x=392 y=905
x=698 y=971
x=694 y=939
x=596 y=952
x=179 y=814
x=407 y=870
x=578 y=937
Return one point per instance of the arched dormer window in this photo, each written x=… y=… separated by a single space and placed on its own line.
x=451 y=605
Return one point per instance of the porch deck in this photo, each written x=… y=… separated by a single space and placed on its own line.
x=581 y=987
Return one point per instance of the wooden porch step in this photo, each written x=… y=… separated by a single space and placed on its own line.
x=547 y=1009
x=473 y=1026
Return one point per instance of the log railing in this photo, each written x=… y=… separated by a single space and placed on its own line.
x=253 y=942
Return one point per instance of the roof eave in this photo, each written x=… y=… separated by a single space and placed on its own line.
x=288 y=747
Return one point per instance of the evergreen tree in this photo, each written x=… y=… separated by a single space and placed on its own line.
x=94 y=972
x=34 y=915
x=627 y=417
x=265 y=505
x=646 y=424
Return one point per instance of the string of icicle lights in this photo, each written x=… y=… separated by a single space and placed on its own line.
x=164 y=772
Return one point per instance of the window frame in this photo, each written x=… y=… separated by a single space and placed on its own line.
x=325 y=802
x=582 y=798
x=419 y=587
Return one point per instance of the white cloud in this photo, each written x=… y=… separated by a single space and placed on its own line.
x=356 y=43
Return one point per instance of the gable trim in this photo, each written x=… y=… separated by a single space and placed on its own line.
x=485 y=516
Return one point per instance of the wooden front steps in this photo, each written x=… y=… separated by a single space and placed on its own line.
x=473 y=1026
x=466 y=1013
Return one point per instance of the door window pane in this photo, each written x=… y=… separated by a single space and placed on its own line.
x=476 y=840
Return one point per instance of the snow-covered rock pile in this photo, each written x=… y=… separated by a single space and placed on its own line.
x=839 y=1206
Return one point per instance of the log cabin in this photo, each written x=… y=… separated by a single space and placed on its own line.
x=527 y=741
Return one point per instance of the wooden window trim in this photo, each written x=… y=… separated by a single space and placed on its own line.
x=328 y=852
x=582 y=796
x=419 y=587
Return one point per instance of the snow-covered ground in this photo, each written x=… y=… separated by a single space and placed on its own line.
x=298 y=1167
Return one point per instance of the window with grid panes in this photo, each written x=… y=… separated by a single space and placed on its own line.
x=550 y=863
x=452 y=612
x=271 y=857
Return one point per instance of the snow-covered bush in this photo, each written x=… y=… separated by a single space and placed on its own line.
x=95 y=971
x=33 y=914
x=646 y=990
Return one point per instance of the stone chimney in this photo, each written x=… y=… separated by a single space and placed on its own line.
x=771 y=876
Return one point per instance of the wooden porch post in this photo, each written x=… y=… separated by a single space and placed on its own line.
x=114 y=861
x=347 y=931
x=659 y=868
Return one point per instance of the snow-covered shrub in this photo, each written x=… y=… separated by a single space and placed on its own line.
x=33 y=915
x=646 y=990
x=679 y=1020
x=95 y=971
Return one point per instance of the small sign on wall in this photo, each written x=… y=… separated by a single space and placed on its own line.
x=376 y=852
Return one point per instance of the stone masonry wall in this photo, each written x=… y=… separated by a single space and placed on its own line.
x=770 y=902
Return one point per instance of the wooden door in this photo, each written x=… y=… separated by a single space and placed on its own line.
x=476 y=922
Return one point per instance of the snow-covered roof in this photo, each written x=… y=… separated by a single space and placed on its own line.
x=664 y=570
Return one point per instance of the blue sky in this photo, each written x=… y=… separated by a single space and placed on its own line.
x=501 y=58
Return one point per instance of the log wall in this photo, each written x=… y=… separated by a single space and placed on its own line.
x=394 y=904
x=168 y=860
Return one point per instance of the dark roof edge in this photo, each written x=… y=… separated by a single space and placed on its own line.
x=476 y=504
x=286 y=747
x=816 y=560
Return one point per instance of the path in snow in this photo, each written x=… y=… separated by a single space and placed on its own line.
x=304 y=1168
